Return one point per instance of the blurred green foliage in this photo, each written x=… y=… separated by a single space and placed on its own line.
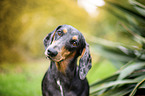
x=24 y=24
x=18 y=79
x=128 y=59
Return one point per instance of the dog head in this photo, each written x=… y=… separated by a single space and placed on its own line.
x=66 y=41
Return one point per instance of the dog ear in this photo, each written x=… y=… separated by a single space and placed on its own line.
x=85 y=62
x=49 y=38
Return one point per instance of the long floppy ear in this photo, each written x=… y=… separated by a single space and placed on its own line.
x=49 y=38
x=85 y=62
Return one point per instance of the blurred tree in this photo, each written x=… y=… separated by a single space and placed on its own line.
x=10 y=11
x=24 y=24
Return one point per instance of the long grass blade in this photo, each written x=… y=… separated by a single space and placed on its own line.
x=136 y=87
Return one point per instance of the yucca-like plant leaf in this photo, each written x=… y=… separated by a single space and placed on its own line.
x=136 y=27
x=142 y=85
x=115 y=88
x=130 y=76
x=110 y=78
x=111 y=84
x=129 y=69
x=135 y=34
x=139 y=7
x=120 y=91
x=137 y=73
x=139 y=78
x=116 y=52
x=127 y=11
x=119 y=53
x=136 y=87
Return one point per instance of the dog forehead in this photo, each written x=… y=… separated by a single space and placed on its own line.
x=70 y=29
x=73 y=35
x=71 y=32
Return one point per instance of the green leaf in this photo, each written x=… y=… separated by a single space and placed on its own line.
x=110 y=84
x=129 y=69
x=137 y=3
x=136 y=87
x=139 y=7
x=114 y=51
x=135 y=74
x=139 y=78
x=140 y=10
x=128 y=11
x=142 y=85
x=137 y=32
x=119 y=91
x=108 y=79
x=118 y=53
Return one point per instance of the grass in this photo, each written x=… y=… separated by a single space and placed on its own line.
x=21 y=79
x=25 y=79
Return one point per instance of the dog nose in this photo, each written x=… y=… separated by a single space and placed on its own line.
x=52 y=52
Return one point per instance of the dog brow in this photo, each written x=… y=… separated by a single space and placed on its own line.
x=75 y=37
x=65 y=30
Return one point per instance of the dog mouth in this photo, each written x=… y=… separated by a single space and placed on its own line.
x=54 y=59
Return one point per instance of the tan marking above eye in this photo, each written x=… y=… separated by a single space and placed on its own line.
x=75 y=37
x=65 y=30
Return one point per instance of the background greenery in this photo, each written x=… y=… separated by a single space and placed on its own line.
x=116 y=66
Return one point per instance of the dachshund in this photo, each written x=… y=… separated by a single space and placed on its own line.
x=63 y=46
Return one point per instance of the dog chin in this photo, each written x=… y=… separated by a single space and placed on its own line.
x=55 y=60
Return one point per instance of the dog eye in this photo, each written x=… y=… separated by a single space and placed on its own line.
x=59 y=33
x=74 y=43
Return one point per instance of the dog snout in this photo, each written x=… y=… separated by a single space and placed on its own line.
x=51 y=52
